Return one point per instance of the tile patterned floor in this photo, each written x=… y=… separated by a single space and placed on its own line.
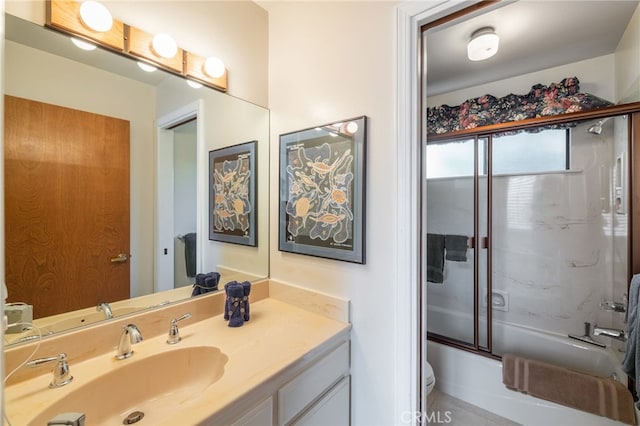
x=443 y=409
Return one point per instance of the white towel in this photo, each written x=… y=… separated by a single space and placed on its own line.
x=631 y=361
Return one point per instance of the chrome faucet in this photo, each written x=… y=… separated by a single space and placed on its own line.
x=130 y=334
x=104 y=306
x=61 y=374
x=174 y=333
x=614 y=333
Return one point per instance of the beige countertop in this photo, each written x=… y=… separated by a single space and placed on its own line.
x=267 y=350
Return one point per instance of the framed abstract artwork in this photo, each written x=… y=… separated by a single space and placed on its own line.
x=232 y=194
x=322 y=191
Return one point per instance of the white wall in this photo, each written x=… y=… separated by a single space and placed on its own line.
x=234 y=31
x=330 y=61
x=596 y=76
x=67 y=83
x=627 y=60
x=227 y=121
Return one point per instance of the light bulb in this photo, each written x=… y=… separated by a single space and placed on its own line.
x=96 y=16
x=164 y=46
x=214 y=67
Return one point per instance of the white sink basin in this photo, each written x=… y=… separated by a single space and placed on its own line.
x=156 y=385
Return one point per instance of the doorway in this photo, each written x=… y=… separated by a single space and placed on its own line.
x=185 y=180
x=180 y=196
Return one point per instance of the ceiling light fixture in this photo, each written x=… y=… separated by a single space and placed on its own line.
x=84 y=45
x=483 y=44
x=146 y=67
x=214 y=67
x=96 y=16
x=164 y=46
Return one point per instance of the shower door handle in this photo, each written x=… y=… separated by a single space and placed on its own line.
x=471 y=243
x=484 y=242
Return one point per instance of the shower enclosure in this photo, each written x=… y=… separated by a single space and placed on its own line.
x=528 y=228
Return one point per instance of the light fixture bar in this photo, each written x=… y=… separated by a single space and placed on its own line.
x=64 y=16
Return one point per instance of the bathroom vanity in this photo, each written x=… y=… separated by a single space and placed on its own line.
x=289 y=364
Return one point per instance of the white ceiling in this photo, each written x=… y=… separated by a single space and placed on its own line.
x=534 y=35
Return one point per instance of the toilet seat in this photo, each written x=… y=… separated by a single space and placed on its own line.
x=430 y=378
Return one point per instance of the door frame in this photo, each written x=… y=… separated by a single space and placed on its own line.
x=164 y=234
x=411 y=297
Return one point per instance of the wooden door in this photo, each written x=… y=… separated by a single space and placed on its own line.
x=66 y=206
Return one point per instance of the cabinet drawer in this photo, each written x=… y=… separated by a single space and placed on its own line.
x=332 y=409
x=312 y=383
x=260 y=415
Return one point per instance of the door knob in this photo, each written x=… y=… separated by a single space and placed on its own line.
x=122 y=257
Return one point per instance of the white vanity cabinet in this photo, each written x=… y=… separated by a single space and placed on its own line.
x=319 y=394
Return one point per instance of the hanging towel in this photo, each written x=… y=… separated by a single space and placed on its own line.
x=456 y=248
x=190 y=253
x=435 y=258
x=631 y=361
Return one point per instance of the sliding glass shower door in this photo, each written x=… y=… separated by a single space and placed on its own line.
x=454 y=189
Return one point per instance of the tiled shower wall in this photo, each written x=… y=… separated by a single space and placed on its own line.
x=559 y=247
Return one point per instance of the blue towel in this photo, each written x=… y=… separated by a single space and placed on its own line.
x=227 y=303
x=246 y=285
x=205 y=283
x=236 y=303
x=631 y=361
x=190 y=253
x=456 y=248
x=435 y=258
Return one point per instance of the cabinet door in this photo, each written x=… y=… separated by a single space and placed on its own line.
x=260 y=415
x=331 y=409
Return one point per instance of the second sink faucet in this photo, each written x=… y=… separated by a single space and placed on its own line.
x=104 y=307
x=130 y=334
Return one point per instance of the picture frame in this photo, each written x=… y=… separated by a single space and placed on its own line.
x=322 y=191
x=232 y=194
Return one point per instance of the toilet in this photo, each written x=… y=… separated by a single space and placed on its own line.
x=430 y=378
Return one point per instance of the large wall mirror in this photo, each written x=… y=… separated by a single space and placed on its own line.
x=171 y=129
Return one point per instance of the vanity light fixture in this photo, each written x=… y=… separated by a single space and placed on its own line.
x=194 y=84
x=352 y=127
x=214 y=67
x=483 y=44
x=84 y=45
x=164 y=46
x=146 y=67
x=95 y=16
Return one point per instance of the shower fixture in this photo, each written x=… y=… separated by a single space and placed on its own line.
x=596 y=129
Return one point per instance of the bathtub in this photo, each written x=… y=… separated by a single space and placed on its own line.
x=478 y=380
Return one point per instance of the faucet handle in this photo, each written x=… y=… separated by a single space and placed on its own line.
x=61 y=374
x=174 y=332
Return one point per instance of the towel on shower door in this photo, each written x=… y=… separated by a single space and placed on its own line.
x=631 y=361
x=435 y=258
x=456 y=248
